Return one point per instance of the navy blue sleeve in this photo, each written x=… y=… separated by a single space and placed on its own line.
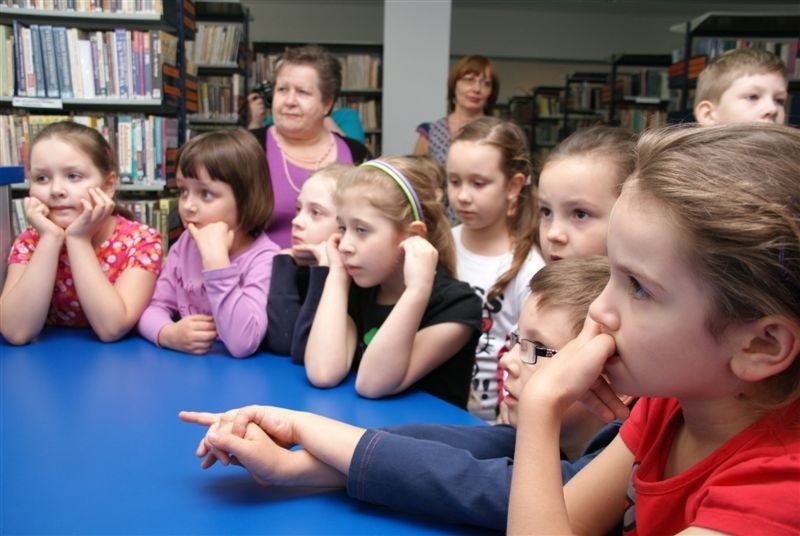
x=305 y=317
x=481 y=441
x=430 y=477
x=283 y=305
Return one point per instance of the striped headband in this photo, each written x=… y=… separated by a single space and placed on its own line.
x=402 y=182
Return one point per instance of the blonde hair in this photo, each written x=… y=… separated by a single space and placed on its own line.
x=332 y=172
x=382 y=192
x=574 y=283
x=734 y=192
x=615 y=144
x=512 y=144
x=721 y=72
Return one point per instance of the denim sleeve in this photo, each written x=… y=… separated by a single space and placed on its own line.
x=430 y=477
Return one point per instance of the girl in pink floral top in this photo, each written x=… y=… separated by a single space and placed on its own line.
x=80 y=263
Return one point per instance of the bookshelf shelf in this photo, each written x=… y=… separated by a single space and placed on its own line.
x=119 y=72
x=638 y=93
x=582 y=101
x=219 y=55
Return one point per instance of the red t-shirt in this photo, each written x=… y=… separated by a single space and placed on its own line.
x=131 y=245
x=749 y=485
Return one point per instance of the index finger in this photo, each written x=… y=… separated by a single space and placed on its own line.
x=199 y=417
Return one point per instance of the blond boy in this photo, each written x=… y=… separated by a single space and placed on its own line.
x=740 y=86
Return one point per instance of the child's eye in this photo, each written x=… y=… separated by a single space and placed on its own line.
x=780 y=102
x=40 y=179
x=752 y=97
x=636 y=289
x=183 y=192
x=361 y=230
x=581 y=214
x=206 y=195
x=341 y=228
x=74 y=176
x=545 y=211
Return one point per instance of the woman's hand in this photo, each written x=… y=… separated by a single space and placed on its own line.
x=214 y=242
x=419 y=265
x=576 y=374
x=94 y=214
x=37 y=214
x=192 y=334
x=257 y=110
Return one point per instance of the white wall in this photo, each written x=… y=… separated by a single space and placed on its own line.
x=416 y=63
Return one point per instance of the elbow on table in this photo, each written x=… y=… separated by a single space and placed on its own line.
x=371 y=389
x=323 y=378
x=18 y=337
x=112 y=334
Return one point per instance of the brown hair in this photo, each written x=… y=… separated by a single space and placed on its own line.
x=234 y=157
x=512 y=144
x=328 y=68
x=574 y=282
x=91 y=143
x=474 y=64
x=733 y=191
x=600 y=141
x=721 y=72
x=380 y=191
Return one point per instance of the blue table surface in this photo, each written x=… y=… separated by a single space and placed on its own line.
x=90 y=443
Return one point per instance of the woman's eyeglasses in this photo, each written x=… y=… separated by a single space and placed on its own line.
x=529 y=351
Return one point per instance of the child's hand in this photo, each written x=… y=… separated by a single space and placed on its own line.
x=214 y=242
x=310 y=254
x=335 y=261
x=36 y=213
x=419 y=267
x=255 y=437
x=575 y=374
x=193 y=334
x=94 y=215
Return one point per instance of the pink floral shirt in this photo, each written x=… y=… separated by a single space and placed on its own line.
x=131 y=245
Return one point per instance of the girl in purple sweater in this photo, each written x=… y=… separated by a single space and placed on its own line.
x=215 y=282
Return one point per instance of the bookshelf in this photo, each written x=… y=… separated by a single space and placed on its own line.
x=547 y=119
x=713 y=33
x=217 y=60
x=521 y=110
x=582 y=101
x=362 y=76
x=119 y=71
x=638 y=92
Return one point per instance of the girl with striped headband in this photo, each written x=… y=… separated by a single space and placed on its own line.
x=391 y=307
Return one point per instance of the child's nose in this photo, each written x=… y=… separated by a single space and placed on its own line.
x=57 y=187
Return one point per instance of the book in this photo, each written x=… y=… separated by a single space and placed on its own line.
x=63 y=64
x=19 y=57
x=122 y=62
x=89 y=79
x=49 y=59
x=147 y=66
x=73 y=51
x=7 y=76
x=33 y=36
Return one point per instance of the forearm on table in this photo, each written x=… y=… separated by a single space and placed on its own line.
x=111 y=310
x=329 y=351
x=385 y=365
x=239 y=306
x=25 y=302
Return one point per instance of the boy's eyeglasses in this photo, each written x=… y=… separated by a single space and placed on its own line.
x=529 y=351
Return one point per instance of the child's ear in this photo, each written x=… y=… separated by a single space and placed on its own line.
x=704 y=113
x=768 y=347
x=418 y=228
x=515 y=185
x=110 y=184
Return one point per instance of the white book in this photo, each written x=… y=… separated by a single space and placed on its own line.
x=86 y=68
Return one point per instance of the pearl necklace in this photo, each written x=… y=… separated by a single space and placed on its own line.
x=315 y=163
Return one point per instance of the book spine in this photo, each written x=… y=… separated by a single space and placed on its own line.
x=121 y=63
x=147 y=64
x=63 y=62
x=19 y=57
x=156 y=60
x=87 y=67
x=49 y=57
x=74 y=62
x=40 y=89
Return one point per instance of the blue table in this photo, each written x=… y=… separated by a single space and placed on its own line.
x=90 y=443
